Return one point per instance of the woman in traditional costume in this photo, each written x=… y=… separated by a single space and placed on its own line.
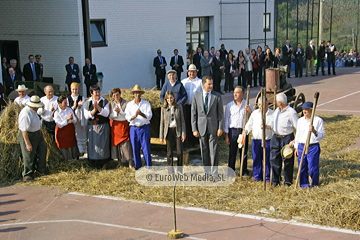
x=65 y=118
x=75 y=101
x=96 y=111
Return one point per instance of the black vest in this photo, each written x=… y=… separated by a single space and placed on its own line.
x=98 y=118
x=71 y=101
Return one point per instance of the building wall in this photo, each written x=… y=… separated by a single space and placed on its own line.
x=50 y=28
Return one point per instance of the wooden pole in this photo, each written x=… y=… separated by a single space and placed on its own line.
x=274 y=108
x=306 y=147
x=263 y=116
x=243 y=132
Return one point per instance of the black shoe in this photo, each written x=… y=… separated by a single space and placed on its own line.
x=296 y=76
x=334 y=73
x=324 y=74
x=289 y=77
x=313 y=75
x=306 y=75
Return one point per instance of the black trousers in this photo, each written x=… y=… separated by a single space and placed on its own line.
x=87 y=90
x=298 y=68
x=241 y=78
x=217 y=81
x=160 y=80
x=288 y=62
x=171 y=140
x=229 y=82
x=331 y=62
x=50 y=127
x=190 y=139
x=248 y=77
x=276 y=144
x=233 y=149
x=261 y=82
x=255 y=74
x=321 y=64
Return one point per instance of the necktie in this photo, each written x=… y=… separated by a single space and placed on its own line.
x=12 y=78
x=176 y=59
x=33 y=71
x=200 y=54
x=206 y=103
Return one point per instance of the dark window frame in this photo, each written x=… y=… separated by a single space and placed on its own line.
x=101 y=27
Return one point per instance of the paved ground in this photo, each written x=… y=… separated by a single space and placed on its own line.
x=43 y=213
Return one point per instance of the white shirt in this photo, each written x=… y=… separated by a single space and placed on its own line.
x=79 y=111
x=234 y=115
x=131 y=109
x=29 y=120
x=60 y=117
x=172 y=122
x=104 y=111
x=46 y=113
x=192 y=87
x=22 y=101
x=302 y=130
x=255 y=122
x=115 y=115
x=285 y=121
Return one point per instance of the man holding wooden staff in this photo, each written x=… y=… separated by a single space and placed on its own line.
x=234 y=120
x=285 y=121
x=254 y=125
x=312 y=158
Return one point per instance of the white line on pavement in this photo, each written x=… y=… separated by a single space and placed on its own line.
x=338 y=99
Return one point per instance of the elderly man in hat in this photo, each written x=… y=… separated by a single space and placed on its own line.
x=138 y=113
x=38 y=61
x=312 y=158
x=192 y=85
x=22 y=99
x=175 y=86
x=254 y=125
x=32 y=142
x=285 y=121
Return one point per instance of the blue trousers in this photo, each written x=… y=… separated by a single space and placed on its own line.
x=233 y=149
x=257 y=154
x=140 y=137
x=310 y=164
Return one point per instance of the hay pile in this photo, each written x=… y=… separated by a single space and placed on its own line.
x=335 y=203
x=152 y=96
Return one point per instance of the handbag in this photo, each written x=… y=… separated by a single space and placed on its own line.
x=236 y=73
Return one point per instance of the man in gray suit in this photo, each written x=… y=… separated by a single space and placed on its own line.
x=206 y=64
x=207 y=118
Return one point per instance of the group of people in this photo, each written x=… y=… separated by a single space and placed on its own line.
x=192 y=114
x=344 y=59
x=34 y=69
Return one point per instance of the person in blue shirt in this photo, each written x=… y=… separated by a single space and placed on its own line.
x=176 y=87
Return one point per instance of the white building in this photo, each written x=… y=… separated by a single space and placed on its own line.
x=126 y=34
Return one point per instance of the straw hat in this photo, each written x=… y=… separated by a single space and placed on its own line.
x=34 y=102
x=137 y=88
x=192 y=67
x=287 y=151
x=21 y=88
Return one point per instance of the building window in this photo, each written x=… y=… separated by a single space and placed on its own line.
x=266 y=22
x=197 y=34
x=98 y=33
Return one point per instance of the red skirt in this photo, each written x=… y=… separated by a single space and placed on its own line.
x=120 y=132
x=65 y=137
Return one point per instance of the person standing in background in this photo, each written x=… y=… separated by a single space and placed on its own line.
x=89 y=72
x=196 y=60
x=321 y=58
x=72 y=72
x=31 y=70
x=38 y=61
x=159 y=64
x=330 y=50
x=310 y=58
x=287 y=51
x=177 y=64
x=299 y=60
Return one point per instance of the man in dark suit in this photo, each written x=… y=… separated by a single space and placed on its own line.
x=287 y=51
x=261 y=56
x=217 y=68
x=14 y=65
x=10 y=80
x=177 y=64
x=89 y=72
x=72 y=72
x=310 y=58
x=159 y=64
x=299 y=56
x=196 y=60
x=31 y=70
x=321 y=58
x=207 y=118
x=223 y=53
x=330 y=50
x=38 y=61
